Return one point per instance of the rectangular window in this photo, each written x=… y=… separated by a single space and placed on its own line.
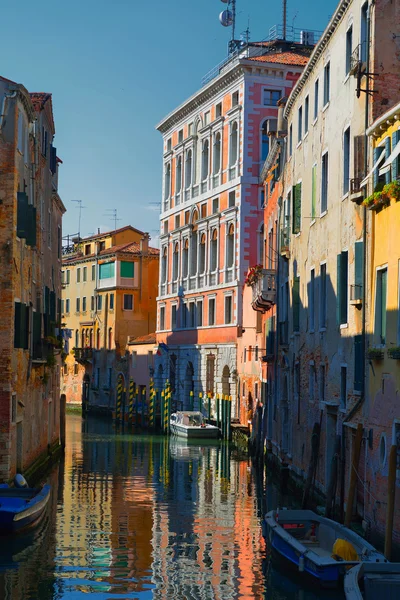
x=180 y=136
x=62 y=307
x=271 y=97
x=92 y=303
x=67 y=306
x=111 y=301
x=346 y=161
x=162 y=318
x=87 y=249
x=327 y=83
x=199 y=308
x=76 y=368
x=211 y=311
x=192 y=315
x=322 y=383
x=185 y=315
x=177 y=221
x=316 y=98
x=300 y=124
x=290 y=140
x=343 y=387
x=207 y=118
x=342 y=287
x=349 y=48
x=165 y=227
x=322 y=298
x=187 y=217
x=106 y=270
x=215 y=204
x=296 y=208
x=128 y=301
x=228 y=309
x=99 y=302
x=380 y=306
x=84 y=273
x=203 y=210
x=78 y=275
x=314 y=192
x=235 y=99
x=68 y=275
x=173 y=316
x=296 y=303
x=190 y=129
x=84 y=304
x=169 y=145
x=78 y=305
x=311 y=301
x=324 y=183
x=93 y=272
x=231 y=198
x=127 y=269
x=218 y=110
x=306 y=113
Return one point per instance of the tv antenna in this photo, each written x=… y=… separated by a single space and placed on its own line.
x=113 y=215
x=227 y=17
x=284 y=18
x=80 y=205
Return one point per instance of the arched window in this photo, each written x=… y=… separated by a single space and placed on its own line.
x=230 y=243
x=233 y=148
x=77 y=338
x=193 y=253
x=98 y=339
x=188 y=169
x=217 y=153
x=198 y=155
x=264 y=141
x=214 y=251
x=261 y=245
x=185 y=259
x=204 y=160
x=167 y=181
x=175 y=265
x=178 y=175
x=164 y=266
x=91 y=339
x=110 y=340
x=202 y=255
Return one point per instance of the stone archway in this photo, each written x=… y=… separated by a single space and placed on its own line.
x=226 y=388
x=188 y=385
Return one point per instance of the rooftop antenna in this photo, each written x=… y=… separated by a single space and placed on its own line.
x=227 y=17
x=284 y=18
x=80 y=214
x=113 y=215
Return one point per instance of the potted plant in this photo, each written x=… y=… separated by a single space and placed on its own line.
x=392 y=190
x=394 y=352
x=376 y=200
x=375 y=353
x=253 y=275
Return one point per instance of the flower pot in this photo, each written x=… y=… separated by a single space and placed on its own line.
x=376 y=355
x=395 y=354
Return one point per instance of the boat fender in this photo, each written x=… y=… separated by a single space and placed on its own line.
x=301 y=564
x=20 y=481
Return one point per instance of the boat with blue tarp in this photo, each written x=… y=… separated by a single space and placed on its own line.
x=21 y=506
x=316 y=546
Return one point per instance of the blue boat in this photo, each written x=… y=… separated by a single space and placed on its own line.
x=306 y=541
x=21 y=507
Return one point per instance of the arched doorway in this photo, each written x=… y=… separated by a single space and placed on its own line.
x=188 y=385
x=226 y=388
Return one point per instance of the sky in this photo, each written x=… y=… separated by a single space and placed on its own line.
x=115 y=69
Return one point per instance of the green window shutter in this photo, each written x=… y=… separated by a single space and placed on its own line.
x=358 y=268
x=296 y=304
x=127 y=269
x=388 y=175
x=395 y=163
x=383 y=305
x=338 y=286
x=294 y=209
x=314 y=192
x=22 y=214
x=376 y=172
x=344 y=288
x=297 y=213
x=53 y=307
x=106 y=270
x=358 y=362
x=21 y=325
x=31 y=225
x=17 y=325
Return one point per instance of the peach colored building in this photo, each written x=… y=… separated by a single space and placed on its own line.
x=215 y=144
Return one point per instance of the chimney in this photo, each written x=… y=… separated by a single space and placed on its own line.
x=282 y=122
x=144 y=243
x=98 y=231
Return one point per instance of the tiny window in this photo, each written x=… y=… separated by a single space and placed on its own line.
x=102 y=246
x=84 y=273
x=180 y=136
x=235 y=99
x=87 y=249
x=165 y=227
x=231 y=198
x=78 y=275
x=218 y=110
x=207 y=118
x=215 y=204
x=128 y=302
x=162 y=317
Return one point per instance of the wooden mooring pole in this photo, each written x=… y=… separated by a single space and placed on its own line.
x=353 y=475
x=390 y=502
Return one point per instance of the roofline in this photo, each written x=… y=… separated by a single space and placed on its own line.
x=387 y=115
x=319 y=48
x=111 y=232
x=142 y=343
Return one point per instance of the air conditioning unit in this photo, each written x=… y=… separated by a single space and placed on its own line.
x=307 y=38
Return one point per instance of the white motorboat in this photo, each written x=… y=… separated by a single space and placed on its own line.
x=191 y=424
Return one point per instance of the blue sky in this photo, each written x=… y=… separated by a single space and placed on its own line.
x=115 y=69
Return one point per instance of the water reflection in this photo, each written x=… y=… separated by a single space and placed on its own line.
x=147 y=517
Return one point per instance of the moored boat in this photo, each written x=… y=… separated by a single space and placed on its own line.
x=317 y=546
x=368 y=581
x=21 y=507
x=192 y=425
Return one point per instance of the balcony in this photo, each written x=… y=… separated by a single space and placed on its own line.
x=264 y=291
x=41 y=351
x=83 y=354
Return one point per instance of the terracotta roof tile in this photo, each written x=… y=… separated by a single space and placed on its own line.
x=39 y=99
x=105 y=233
x=284 y=58
x=128 y=248
x=150 y=338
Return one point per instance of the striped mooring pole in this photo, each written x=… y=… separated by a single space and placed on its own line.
x=120 y=389
x=143 y=406
x=191 y=400
x=209 y=406
x=162 y=404
x=201 y=402
x=218 y=411
x=131 y=397
x=151 y=404
x=167 y=399
x=223 y=416
x=229 y=419
x=136 y=405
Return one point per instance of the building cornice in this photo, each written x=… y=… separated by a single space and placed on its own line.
x=316 y=54
x=58 y=202
x=384 y=121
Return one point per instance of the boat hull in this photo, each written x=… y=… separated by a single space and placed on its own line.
x=18 y=511
x=190 y=432
x=376 y=581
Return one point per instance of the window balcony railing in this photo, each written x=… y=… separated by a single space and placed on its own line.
x=264 y=291
x=83 y=354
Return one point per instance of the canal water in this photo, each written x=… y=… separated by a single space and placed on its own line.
x=148 y=517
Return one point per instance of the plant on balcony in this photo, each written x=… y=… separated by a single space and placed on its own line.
x=376 y=200
x=56 y=342
x=375 y=353
x=392 y=190
x=253 y=275
x=51 y=360
x=394 y=352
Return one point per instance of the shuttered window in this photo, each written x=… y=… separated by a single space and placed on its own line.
x=358 y=364
x=21 y=326
x=22 y=214
x=127 y=269
x=106 y=270
x=396 y=162
x=296 y=303
x=342 y=287
x=297 y=208
x=270 y=338
x=358 y=268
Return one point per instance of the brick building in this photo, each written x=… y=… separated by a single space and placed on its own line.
x=212 y=211
x=30 y=245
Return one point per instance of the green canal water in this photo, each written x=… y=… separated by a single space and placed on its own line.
x=148 y=517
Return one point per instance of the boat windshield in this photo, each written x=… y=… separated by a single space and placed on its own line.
x=195 y=420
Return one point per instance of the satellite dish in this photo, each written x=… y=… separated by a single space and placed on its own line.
x=226 y=18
